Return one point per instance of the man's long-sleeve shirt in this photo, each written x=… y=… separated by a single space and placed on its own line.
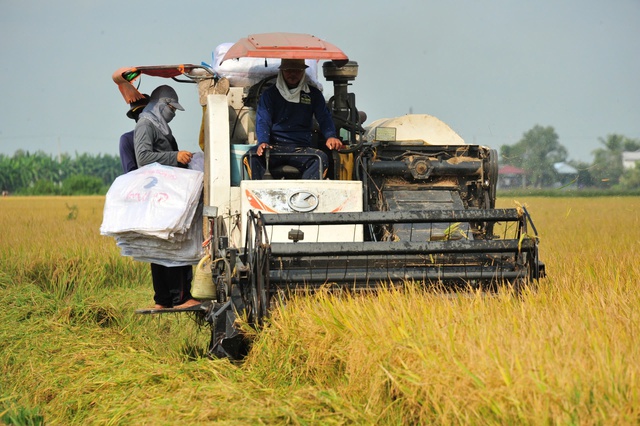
x=283 y=122
x=151 y=146
x=127 y=152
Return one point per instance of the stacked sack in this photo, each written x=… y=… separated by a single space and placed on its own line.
x=243 y=72
x=155 y=215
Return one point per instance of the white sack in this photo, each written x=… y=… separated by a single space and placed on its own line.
x=244 y=72
x=185 y=251
x=154 y=200
x=155 y=215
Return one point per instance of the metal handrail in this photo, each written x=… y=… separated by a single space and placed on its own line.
x=249 y=154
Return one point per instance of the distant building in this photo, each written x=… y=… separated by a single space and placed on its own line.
x=568 y=175
x=629 y=159
x=511 y=177
x=565 y=169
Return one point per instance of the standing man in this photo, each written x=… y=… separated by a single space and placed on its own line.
x=154 y=142
x=127 y=150
x=284 y=123
x=153 y=139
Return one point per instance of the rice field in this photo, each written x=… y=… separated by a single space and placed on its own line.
x=75 y=353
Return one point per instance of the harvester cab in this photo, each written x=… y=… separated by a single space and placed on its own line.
x=407 y=200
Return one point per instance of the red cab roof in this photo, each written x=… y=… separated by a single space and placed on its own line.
x=284 y=45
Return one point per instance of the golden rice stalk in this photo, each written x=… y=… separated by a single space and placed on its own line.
x=452 y=232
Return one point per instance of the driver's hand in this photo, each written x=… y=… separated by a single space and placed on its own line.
x=334 y=143
x=261 y=148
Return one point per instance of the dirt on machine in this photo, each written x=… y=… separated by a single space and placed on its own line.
x=406 y=200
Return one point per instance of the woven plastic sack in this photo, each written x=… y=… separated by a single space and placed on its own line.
x=154 y=200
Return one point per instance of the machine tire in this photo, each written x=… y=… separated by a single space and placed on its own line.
x=249 y=293
x=259 y=288
x=493 y=177
x=262 y=283
x=257 y=259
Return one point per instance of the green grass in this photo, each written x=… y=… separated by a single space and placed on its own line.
x=75 y=353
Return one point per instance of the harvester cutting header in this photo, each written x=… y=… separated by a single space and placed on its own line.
x=404 y=199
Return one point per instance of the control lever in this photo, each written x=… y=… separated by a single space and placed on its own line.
x=267 y=173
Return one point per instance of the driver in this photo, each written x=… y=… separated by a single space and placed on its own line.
x=284 y=123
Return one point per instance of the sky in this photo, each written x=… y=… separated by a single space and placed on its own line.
x=490 y=69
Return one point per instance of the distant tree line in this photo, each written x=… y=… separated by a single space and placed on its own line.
x=43 y=174
x=536 y=153
x=539 y=149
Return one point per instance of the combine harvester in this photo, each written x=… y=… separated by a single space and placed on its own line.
x=407 y=199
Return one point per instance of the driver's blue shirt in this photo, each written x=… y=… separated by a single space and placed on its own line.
x=281 y=122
